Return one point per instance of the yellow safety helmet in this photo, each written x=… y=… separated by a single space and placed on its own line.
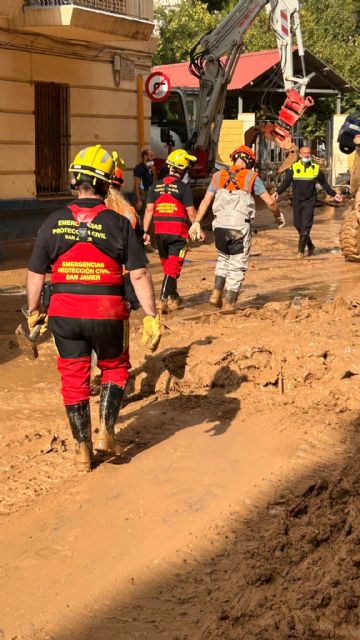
x=93 y=161
x=180 y=159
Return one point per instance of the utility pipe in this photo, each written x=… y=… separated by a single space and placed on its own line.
x=140 y=111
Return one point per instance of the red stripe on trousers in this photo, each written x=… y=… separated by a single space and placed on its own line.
x=75 y=375
x=116 y=370
x=172 y=266
x=75 y=379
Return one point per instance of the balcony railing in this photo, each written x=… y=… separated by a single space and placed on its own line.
x=131 y=8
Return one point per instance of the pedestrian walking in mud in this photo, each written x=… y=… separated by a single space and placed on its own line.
x=144 y=176
x=303 y=176
x=84 y=245
x=231 y=193
x=170 y=205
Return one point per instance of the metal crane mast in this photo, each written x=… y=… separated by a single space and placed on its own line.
x=213 y=62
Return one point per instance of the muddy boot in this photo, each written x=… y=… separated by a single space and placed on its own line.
x=162 y=307
x=168 y=289
x=175 y=301
x=302 y=244
x=230 y=300
x=216 y=296
x=311 y=247
x=110 y=401
x=80 y=422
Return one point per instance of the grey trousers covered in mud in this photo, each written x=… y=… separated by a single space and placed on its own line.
x=233 y=266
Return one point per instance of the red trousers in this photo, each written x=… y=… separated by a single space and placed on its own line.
x=75 y=338
x=172 y=251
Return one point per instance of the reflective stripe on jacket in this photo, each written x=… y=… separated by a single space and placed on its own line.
x=302 y=171
x=84 y=265
x=234 y=179
x=170 y=215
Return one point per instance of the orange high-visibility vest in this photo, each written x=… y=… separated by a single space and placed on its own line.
x=234 y=179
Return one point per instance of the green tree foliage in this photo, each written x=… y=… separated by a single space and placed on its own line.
x=180 y=28
x=260 y=35
x=219 y=5
x=314 y=122
x=335 y=38
x=330 y=28
x=331 y=31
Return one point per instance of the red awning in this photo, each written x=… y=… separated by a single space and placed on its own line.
x=249 y=67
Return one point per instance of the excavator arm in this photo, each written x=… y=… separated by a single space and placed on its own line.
x=213 y=62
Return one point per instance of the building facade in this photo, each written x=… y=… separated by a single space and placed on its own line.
x=71 y=75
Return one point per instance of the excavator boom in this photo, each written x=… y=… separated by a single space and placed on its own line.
x=213 y=62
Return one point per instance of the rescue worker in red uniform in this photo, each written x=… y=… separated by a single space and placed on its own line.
x=84 y=245
x=170 y=205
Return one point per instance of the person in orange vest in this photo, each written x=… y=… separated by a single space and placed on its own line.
x=231 y=193
x=170 y=204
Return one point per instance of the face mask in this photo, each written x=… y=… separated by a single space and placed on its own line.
x=150 y=163
x=306 y=160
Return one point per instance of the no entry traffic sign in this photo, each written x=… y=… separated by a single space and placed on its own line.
x=157 y=86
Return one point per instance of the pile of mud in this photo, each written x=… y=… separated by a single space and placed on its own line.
x=296 y=577
x=291 y=570
x=282 y=345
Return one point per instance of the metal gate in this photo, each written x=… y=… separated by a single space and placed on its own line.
x=270 y=157
x=51 y=138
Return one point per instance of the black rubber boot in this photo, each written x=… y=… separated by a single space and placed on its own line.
x=230 y=300
x=110 y=402
x=310 y=246
x=302 y=244
x=80 y=422
x=168 y=287
x=175 y=298
x=216 y=296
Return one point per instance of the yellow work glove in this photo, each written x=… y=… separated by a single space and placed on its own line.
x=37 y=318
x=195 y=231
x=151 y=332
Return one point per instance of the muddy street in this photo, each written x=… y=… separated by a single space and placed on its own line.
x=233 y=511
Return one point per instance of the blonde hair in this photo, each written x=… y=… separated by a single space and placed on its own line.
x=117 y=202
